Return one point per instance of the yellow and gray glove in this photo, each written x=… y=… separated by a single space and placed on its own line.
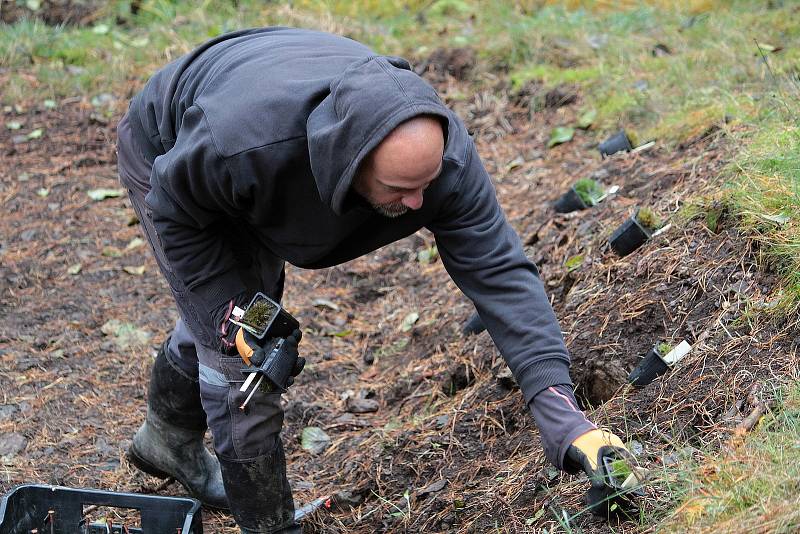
x=611 y=469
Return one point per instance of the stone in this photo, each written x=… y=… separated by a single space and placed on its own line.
x=354 y=405
x=12 y=443
x=7 y=411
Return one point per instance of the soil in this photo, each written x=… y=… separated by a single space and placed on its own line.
x=451 y=446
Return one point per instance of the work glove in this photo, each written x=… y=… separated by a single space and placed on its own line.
x=612 y=472
x=276 y=358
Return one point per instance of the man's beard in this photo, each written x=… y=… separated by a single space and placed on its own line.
x=391 y=210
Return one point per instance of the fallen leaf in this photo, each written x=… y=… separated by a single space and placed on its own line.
x=325 y=303
x=409 y=321
x=587 y=119
x=111 y=252
x=101 y=29
x=49 y=104
x=439 y=485
x=102 y=194
x=35 y=134
x=515 y=163
x=74 y=269
x=531 y=520
x=342 y=333
x=355 y=405
x=125 y=334
x=130 y=269
x=559 y=135
x=428 y=255
x=781 y=218
x=136 y=242
x=314 y=440
x=42 y=192
x=573 y=263
x=139 y=42
x=13 y=125
x=768 y=47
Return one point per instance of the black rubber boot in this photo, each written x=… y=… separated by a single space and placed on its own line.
x=170 y=442
x=260 y=495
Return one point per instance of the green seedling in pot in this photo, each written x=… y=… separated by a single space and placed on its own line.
x=649 y=219
x=620 y=471
x=664 y=348
x=259 y=314
x=590 y=191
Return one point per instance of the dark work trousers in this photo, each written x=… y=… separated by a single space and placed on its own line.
x=237 y=435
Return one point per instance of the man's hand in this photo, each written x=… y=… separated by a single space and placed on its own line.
x=611 y=470
x=284 y=363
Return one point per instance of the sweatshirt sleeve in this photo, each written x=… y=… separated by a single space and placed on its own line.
x=484 y=257
x=193 y=198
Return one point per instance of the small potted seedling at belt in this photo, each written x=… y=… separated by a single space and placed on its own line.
x=635 y=231
x=585 y=193
x=265 y=319
x=657 y=362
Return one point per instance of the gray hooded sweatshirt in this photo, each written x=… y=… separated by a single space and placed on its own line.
x=262 y=131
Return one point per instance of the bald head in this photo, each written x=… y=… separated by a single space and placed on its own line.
x=394 y=175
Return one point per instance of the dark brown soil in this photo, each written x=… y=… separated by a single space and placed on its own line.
x=452 y=447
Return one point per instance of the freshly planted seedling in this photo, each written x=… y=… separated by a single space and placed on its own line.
x=664 y=348
x=635 y=231
x=585 y=193
x=590 y=191
x=619 y=470
x=649 y=219
x=657 y=361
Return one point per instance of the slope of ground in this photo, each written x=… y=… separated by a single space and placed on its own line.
x=451 y=447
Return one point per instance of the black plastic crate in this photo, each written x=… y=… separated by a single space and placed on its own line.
x=29 y=507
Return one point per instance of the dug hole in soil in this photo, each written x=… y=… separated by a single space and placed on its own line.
x=451 y=447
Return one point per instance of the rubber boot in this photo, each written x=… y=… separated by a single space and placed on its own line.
x=170 y=442
x=260 y=495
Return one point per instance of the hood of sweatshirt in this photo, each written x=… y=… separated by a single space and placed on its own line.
x=369 y=100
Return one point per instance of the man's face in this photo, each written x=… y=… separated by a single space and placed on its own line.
x=394 y=176
x=392 y=196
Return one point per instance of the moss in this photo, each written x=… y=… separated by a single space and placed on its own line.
x=552 y=75
x=259 y=314
x=663 y=348
x=649 y=219
x=589 y=190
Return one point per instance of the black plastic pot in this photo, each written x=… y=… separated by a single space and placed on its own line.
x=650 y=368
x=628 y=237
x=474 y=325
x=616 y=143
x=569 y=201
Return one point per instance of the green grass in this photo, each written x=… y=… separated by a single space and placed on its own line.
x=752 y=488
